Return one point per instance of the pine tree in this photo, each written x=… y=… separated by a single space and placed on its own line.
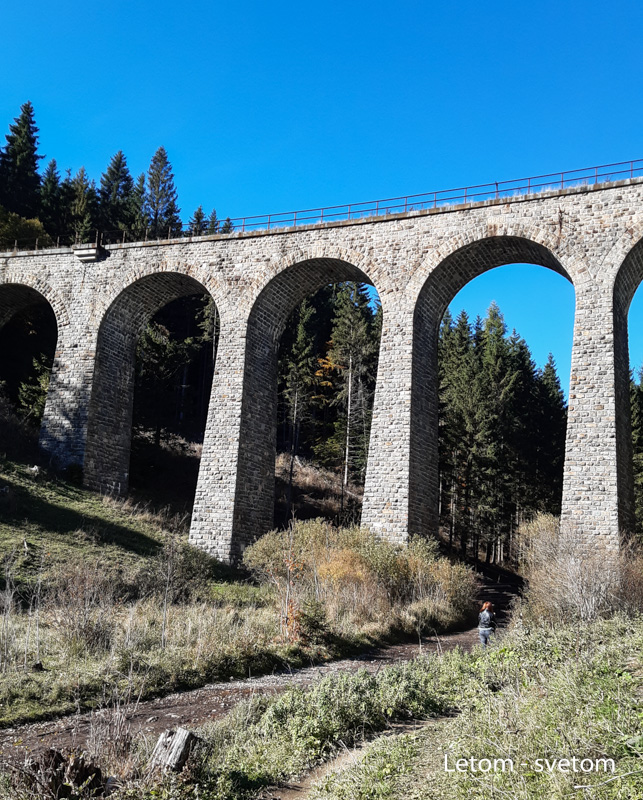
x=84 y=206
x=551 y=427
x=161 y=206
x=137 y=214
x=213 y=223
x=522 y=438
x=197 y=223
x=19 y=178
x=51 y=214
x=299 y=370
x=161 y=356
x=227 y=226
x=498 y=379
x=353 y=350
x=459 y=432
x=115 y=196
x=66 y=209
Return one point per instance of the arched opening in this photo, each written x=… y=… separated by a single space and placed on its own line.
x=493 y=454
x=154 y=364
x=327 y=369
x=28 y=336
x=628 y=345
x=267 y=321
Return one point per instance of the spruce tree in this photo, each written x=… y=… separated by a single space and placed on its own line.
x=459 y=431
x=213 y=223
x=353 y=350
x=115 y=196
x=299 y=371
x=551 y=427
x=137 y=214
x=161 y=206
x=498 y=378
x=84 y=206
x=197 y=222
x=51 y=213
x=66 y=202
x=19 y=178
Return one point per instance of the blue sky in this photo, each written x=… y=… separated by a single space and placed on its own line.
x=266 y=107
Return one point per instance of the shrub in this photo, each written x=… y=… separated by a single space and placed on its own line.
x=357 y=578
x=568 y=580
x=80 y=604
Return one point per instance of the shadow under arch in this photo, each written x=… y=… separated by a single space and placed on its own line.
x=29 y=328
x=255 y=482
x=628 y=279
x=109 y=423
x=440 y=287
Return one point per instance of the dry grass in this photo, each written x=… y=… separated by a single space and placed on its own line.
x=316 y=492
x=350 y=580
x=569 y=580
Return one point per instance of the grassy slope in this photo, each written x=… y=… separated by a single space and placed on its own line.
x=49 y=525
x=42 y=517
x=555 y=694
x=576 y=691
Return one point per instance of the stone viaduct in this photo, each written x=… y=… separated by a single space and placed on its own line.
x=418 y=261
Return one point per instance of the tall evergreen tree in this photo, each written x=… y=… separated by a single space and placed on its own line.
x=137 y=213
x=84 y=206
x=19 y=178
x=197 y=223
x=551 y=426
x=51 y=213
x=353 y=350
x=213 y=223
x=161 y=199
x=501 y=435
x=299 y=368
x=115 y=196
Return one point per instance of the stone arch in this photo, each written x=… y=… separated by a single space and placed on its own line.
x=513 y=242
x=109 y=424
x=25 y=290
x=21 y=305
x=451 y=269
x=200 y=274
x=291 y=282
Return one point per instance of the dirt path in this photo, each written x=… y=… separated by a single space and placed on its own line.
x=193 y=708
x=300 y=788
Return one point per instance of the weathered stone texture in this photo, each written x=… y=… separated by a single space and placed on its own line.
x=417 y=261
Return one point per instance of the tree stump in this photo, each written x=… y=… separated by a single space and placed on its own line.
x=172 y=750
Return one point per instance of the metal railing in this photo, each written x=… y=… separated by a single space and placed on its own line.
x=605 y=173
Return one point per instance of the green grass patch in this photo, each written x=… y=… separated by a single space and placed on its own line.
x=47 y=520
x=545 y=694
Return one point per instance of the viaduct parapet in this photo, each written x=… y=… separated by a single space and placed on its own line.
x=417 y=261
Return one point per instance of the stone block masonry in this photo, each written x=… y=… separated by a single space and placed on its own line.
x=417 y=262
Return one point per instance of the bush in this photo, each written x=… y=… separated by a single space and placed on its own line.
x=566 y=579
x=80 y=604
x=356 y=579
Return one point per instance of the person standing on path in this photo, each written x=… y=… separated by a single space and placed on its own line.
x=486 y=623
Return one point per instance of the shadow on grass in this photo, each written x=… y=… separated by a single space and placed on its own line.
x=32 y=507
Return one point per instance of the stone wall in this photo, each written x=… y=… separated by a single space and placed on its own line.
x=417 y=261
